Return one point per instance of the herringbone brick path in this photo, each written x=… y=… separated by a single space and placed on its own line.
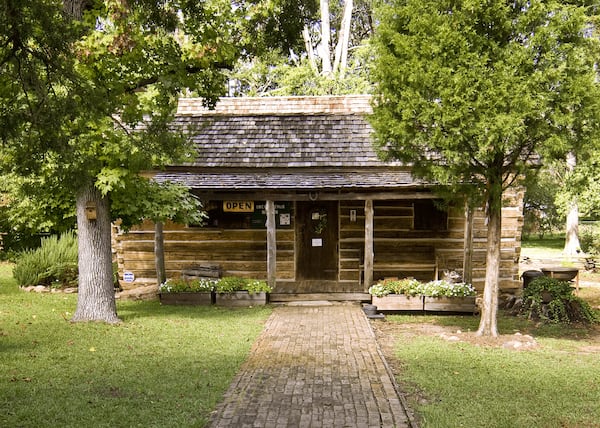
x=313 y=367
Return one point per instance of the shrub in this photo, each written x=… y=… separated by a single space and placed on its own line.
x=552 y=300
x=589 y=238
x=54 y=263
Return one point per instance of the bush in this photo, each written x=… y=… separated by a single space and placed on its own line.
x=53 y=264
x=589 y=238
x=552 y=300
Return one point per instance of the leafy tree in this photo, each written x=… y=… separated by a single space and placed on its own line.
x=333 y=59
x=88 y=89
x=469 y=91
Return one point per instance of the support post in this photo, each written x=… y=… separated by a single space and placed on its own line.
x=271 y=244
x=468 y=245
x=159 y=253
x=369 y=254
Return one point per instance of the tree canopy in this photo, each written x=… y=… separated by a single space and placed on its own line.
x=471 y=93
x=88 y=89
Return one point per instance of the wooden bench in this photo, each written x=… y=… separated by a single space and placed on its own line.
x=202 y=271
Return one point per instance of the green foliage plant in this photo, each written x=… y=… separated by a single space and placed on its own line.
x=181 y=285
x=230 y=284
x=407 y=286
x=54 y=263
x=413 y=287
x=552 y=300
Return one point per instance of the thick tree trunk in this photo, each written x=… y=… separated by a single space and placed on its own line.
x=325 y=37
x=96 y=296
x=488 y=325
x=572 y=245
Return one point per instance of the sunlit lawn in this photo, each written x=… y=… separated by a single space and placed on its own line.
x=162 y=367
x=461 y=384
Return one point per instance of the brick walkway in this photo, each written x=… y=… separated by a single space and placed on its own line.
x=313 y=367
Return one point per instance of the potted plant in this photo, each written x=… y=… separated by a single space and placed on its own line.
x=397 y=295
x=442 y=295
x=180 y=291
x=236 y=291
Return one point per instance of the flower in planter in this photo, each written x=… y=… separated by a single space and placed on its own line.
x=230 y=284
x=443 y=288
x=408 y=286
x=180 y=285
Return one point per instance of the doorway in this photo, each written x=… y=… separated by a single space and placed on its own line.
x=317 y=241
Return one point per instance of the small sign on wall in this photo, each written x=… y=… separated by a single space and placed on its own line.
x=128 y=277
x=317 y=242
x=238 y=206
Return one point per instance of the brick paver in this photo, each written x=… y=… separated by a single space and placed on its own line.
x=313 y=367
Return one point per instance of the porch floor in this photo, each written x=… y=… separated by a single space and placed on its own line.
x=333 y=297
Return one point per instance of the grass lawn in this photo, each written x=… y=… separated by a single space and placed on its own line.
x=164 y=366
x=477 y=383
x=463 y=383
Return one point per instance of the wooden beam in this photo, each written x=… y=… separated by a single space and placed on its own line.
x=159 y=253
x=282 y=196
x=468 y=246
x=369 y=254
x=271 y=244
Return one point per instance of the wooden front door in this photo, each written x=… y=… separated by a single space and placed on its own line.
x=317 y=241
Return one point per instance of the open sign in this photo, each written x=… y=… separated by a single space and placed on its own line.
x=238 y=206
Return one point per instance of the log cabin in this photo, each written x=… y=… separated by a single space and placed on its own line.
x=295 y=194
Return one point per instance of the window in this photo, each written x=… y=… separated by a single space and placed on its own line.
x=430 y=215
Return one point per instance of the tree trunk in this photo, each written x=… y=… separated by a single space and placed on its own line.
x=325 y=36
x=572 y=245
x=488 y=325
x=159 y=253
x=309 y=49
x=341 y=50
x=96 y=295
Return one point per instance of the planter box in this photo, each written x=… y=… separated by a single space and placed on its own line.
x=449 y=304
x=398 y=302
x=240 y=299
x=191 y=298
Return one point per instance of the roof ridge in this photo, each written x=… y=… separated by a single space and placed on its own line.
x=284 y=105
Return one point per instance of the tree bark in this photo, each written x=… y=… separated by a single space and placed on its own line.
x=341 y=50
x=325 y=37
x=309 y=49
x=159 y=253
x=572 y=245
x=488 y=325
x=96 y=295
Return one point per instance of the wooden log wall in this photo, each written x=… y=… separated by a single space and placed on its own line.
x=399 y=249
x=239 y=252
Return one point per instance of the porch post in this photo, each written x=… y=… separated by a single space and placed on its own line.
x=271 y=244
x=369 y=255
x=468 y=245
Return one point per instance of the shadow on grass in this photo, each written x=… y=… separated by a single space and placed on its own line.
x=507 y=324
x=131 y=310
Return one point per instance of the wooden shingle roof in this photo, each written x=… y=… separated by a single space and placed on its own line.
x=283 y=143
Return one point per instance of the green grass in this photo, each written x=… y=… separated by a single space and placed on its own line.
x=548 y=247
x=463 y=384
x=164 y=366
